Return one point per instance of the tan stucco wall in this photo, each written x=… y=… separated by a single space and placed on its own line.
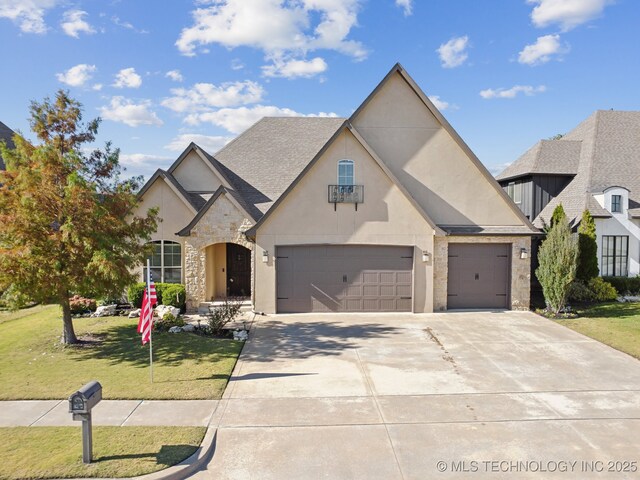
x=195 y=175
x=222 y=223
x=520 y=268
x=173 y=212
x=427 y=160
x=216 y=271
x=306 y=217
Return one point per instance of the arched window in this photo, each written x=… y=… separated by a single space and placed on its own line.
x=346 y=173
x=165 y=261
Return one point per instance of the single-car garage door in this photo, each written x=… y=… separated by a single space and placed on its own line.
x=479 y=275
x=336 y=278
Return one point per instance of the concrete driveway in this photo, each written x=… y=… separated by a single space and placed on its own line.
x=474 y=395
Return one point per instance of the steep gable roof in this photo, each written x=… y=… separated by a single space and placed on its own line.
x=191 y=202
x=205 y=157
x=6 y=134
x=560 y=157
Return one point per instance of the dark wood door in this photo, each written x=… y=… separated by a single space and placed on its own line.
x=238 y=271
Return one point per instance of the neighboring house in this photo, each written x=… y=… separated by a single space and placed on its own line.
x=596 y=167
x=388 y=210
x=6 y=134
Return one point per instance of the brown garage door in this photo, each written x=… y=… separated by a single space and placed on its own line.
x=479 y=275
x=336 y=278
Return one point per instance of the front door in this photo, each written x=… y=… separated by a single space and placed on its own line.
x=238 y=271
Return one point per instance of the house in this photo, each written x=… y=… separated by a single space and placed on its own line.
x=6 y=135
x=595 y=167
x=388 y=210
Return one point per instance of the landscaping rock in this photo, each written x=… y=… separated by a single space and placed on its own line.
x=240 y=335
x=189 y=328
x=134 y=313
x=628 y=298
x=162 y=310
x=105 y=311
x=175 y=329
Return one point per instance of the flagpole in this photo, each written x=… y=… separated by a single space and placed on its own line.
x=151 y=321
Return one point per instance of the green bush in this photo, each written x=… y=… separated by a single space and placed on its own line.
x=596 y=290
x=168 y=321
x=588 y=254
x=221 y=315
x=173 y=294
x=625 y=285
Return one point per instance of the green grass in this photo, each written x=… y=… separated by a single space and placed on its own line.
x=56 y=452
x=615 y=324
x=35 y=365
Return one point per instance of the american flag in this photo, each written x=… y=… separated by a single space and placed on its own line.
x=145 y=324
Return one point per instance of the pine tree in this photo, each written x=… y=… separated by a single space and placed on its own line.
x=588 y=256
x=557 y=258
x=558 y=213
x=66 y=217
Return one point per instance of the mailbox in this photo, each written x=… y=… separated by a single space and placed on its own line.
x=86 y=398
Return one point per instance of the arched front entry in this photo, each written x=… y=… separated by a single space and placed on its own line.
x=228 y=271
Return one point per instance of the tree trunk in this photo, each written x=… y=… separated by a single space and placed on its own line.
x=68 y=335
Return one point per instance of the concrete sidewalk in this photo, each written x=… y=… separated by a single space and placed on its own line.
x=123 y=413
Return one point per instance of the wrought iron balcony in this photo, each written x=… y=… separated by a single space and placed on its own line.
x=346 y=194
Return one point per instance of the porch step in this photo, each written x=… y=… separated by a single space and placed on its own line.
x=205 y=307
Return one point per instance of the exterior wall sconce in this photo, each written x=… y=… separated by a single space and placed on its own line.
x=426 y=256
x=524 y=254
x=265 y=256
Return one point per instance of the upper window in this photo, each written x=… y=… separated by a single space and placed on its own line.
x=616 y=203
x=165 y=261
x=346 y=173
x=514 y=190
x=614 y=255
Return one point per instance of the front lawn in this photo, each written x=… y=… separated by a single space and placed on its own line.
x=35 y=365
x=616 y=324
x=56 y=452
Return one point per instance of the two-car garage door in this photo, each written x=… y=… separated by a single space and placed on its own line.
x=337 y=278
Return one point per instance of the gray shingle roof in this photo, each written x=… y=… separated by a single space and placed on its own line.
x=547 y=156
x=609 y=156
x=6 y=134
x=263 y=161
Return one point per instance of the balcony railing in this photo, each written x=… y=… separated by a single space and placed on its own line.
x=346 y=194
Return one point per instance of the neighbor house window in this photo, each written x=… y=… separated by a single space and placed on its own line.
x=614 y=256
x=616 y=203
x=346 y=173
x=165 y=261
x=514 y=190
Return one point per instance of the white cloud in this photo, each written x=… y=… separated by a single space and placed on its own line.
x=439 y=103
x=205 y=96
x=97 y=87
x=27 y=14
x=512 y=92
x=130 y=113
x=237 y=120
x=566 y=13
x=211 y=143
x=453 y=53
x=174 y=75
x=280 y=29
x=406 y=5
x=236 y=64
x=140 y=159
x=73 y=23
x=541 y=51
x=295 y=68
x=120 y=23
x=77 y=76
x=127 y=78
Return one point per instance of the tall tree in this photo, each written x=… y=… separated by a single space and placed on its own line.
x=557 y=258
x=66 y=216
x=588 y=256
x=558 y=214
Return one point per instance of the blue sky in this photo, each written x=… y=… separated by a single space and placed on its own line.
x=505 y=73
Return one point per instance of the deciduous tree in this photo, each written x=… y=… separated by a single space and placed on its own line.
x=66 y=215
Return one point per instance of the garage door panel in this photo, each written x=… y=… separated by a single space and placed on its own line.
x=479 y=275
x=344 y=278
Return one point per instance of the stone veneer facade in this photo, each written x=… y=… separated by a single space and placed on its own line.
x=222 y=223
x=520 y=268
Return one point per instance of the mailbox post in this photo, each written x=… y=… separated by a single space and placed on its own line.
x=80 y=405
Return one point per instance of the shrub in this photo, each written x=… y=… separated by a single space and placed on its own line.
x=168 y=321
x=134 y=294
x=80 y=304
x=169 y=290
x=221 y=315
x=579 y=292
x=602 y=290
x=625 y=285
x=588 y=256
x=557 y=258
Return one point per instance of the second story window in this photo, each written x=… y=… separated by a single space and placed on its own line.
x=616 y=203
x=346 y=173
x=514 y=190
